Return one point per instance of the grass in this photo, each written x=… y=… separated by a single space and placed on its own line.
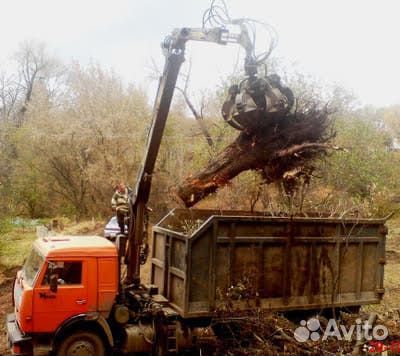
x=91 y=227
x=17 y=236
x=15 y=244
x=391 y=299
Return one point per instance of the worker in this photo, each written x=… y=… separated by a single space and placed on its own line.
x=120 y=203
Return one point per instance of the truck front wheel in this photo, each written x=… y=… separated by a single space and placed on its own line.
x=81 y=343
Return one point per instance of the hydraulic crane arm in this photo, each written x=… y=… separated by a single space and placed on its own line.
x=174 y=50
x=143 y=184
x=221 y=36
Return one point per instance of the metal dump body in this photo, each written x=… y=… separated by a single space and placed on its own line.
x=290 y=262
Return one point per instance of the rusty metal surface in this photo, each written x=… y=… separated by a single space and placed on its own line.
x=289 y=262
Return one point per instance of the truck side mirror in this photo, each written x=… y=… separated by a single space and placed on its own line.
x=53 y=283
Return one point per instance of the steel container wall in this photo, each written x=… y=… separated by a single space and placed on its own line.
x=288 y=262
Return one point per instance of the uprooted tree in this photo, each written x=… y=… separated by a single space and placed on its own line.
x=280 y=147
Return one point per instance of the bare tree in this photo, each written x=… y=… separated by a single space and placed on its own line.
x=34 y=65
x=198 y=115
x=10 y=90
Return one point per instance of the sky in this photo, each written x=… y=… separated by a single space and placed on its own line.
x=352 y=43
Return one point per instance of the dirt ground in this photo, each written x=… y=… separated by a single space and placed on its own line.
x=6 y=281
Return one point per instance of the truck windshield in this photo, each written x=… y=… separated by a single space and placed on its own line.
x=32 y=266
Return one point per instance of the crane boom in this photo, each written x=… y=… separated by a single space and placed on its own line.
x=143 y=184
x=174 y=50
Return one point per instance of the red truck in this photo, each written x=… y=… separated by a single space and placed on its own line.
x=66 y=289
x=68 y=299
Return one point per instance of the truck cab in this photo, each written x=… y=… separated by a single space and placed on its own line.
x=66 y=280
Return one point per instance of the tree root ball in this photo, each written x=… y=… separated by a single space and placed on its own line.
x=271 y=145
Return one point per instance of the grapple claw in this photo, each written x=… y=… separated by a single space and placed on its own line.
x=254 y=100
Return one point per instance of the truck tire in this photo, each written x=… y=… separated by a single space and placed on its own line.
x=81 y=343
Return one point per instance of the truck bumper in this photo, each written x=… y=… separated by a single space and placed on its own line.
x=20 y=344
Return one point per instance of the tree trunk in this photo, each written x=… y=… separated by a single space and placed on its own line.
x=273 y=146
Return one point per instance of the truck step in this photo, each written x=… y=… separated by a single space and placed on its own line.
x=160 y=299
x=41 y=350
x=171 y=337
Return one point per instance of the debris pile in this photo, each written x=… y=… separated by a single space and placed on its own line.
x=266 y=333
x=329 y=332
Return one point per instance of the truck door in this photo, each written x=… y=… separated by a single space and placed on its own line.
x=50 y=309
